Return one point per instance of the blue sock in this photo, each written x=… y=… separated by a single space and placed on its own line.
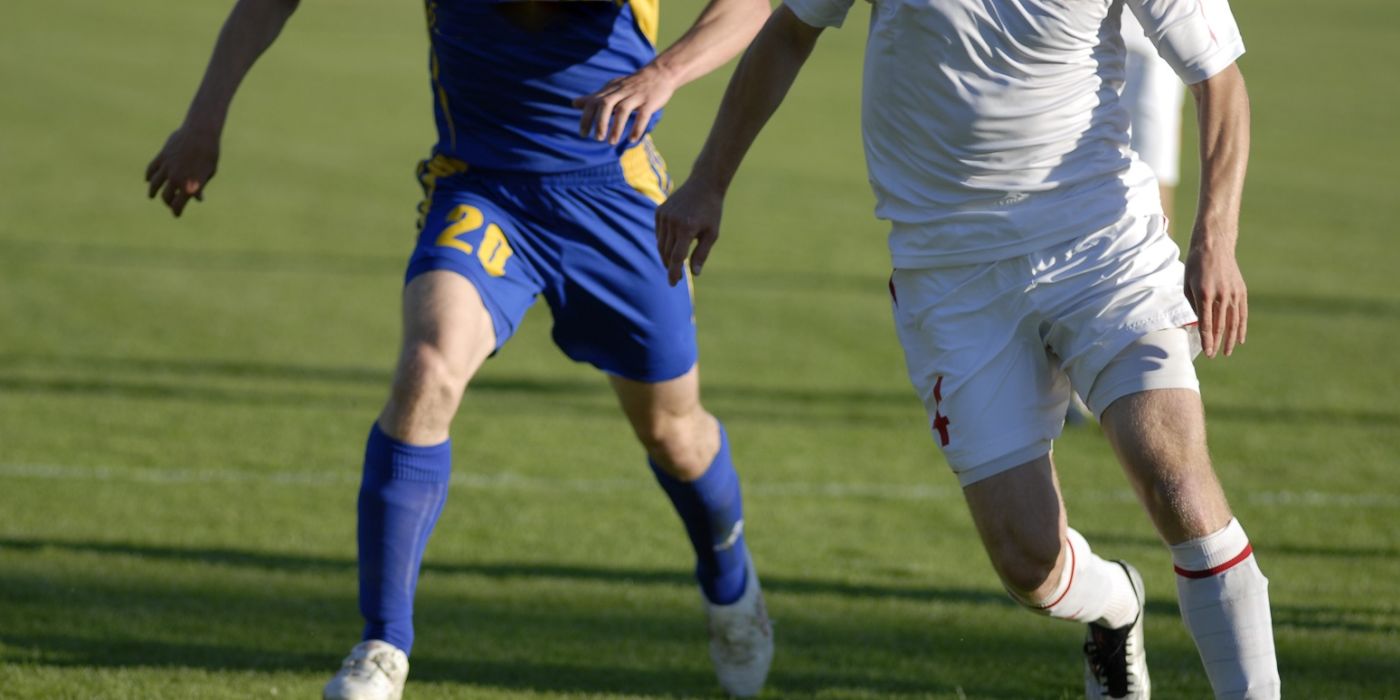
x=401 y=496
x=713 y=513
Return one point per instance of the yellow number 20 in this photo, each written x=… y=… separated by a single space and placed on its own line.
x=495 y=250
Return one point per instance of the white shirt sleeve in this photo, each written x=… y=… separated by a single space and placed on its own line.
x=1199 y=38
x=820 y=13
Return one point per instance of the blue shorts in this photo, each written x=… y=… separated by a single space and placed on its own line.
x=585 y=240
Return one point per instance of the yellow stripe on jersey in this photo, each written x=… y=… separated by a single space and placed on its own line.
x=648 y=14
x=429 y=171
x=430 y=8
x=645 y=171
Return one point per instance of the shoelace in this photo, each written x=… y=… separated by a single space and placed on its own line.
x=1108 y=659
x=366 y=666
x=737 y=641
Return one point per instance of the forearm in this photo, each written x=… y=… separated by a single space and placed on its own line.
x=251 y=27
x=1222 y=111
x=723 y=29
x=758 y=86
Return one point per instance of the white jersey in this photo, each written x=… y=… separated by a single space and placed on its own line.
x=993 y=128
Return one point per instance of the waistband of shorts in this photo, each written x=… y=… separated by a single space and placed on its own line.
x=610 y=173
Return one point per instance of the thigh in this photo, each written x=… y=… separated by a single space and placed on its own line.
x=613 y=307
x=471 y=228
x=995 y=399
x=1160 y=438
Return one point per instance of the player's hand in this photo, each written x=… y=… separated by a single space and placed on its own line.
x=640 y=95
x=183 y=167
x=1216 y=290
x=690 y=215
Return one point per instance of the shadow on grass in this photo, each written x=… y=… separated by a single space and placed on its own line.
x=1313 y=617
x=275 y=384
x=378 y=378
x=509 y=637
x=362 y=388
x=593 y=640
x=503 y=570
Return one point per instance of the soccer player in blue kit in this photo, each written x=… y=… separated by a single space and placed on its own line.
x=543 y=182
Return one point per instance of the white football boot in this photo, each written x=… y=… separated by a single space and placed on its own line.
x=374 y=670
x=741 y=640
x=1115 y=660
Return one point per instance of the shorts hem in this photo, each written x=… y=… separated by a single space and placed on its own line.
x=1099 y=401
x=651 y=377
x=1015 y=458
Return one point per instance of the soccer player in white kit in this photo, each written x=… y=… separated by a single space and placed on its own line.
x=1030 y=251
x=1152 y=94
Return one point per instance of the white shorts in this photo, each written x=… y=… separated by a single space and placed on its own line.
x=1153 y=94
x=994 y=348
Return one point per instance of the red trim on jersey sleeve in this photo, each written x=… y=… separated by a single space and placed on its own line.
x=1214 y=570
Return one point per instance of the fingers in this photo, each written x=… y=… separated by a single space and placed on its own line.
x=1229 y=325
x=155 y=176
x=606 y=112
x=1205 y=308
x=639 y=125
x=1244 y=315
x=675 y=257
x=702 y=251
x=620 y=114
x=663 y=233
x=1238 y=305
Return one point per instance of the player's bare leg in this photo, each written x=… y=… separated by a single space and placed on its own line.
x=447 y=334
x=689 y=453
x=1160 y=438
x=1049 y=568
x=679 y=435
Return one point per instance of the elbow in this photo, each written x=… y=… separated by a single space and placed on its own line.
x=757 y=14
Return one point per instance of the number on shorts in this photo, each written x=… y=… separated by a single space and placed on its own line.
x=494 y=251
x=464 y=219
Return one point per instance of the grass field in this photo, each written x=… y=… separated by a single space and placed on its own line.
x=183 y=404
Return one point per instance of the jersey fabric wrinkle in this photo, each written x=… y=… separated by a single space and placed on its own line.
x=503 y=93
x=994 y=128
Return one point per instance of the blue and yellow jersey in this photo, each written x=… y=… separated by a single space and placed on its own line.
x=505 y=74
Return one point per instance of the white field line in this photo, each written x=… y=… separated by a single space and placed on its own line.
x=508 y=481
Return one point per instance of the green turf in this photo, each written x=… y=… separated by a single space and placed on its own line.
x=183 y=404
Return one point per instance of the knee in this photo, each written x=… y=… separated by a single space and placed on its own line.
x=1027 y=565
x=681 y=445
x=426 y=381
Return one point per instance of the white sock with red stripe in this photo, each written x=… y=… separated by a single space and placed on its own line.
x=1225 y=603
x=1090 y=589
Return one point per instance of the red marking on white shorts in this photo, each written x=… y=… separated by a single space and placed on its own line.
x=1214 y=570
x=940 y=421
